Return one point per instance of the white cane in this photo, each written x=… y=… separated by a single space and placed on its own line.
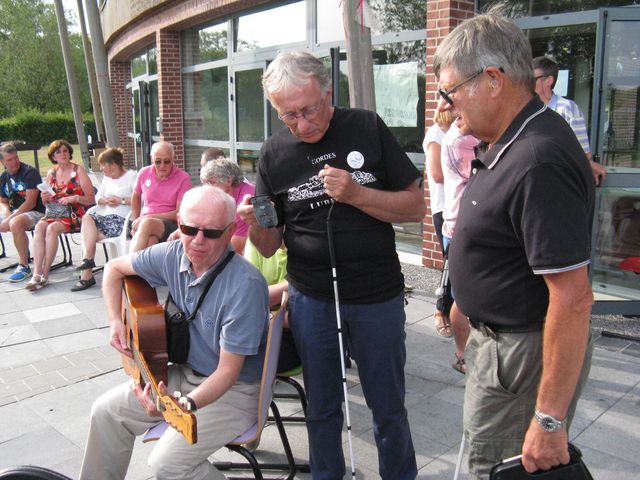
x=332 y=258
x=459 y=462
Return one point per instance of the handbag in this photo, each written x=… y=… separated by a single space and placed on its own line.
x=512 y=469
x=57 y=210
x=177 y=323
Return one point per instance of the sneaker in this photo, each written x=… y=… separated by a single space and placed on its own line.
x=22 y=273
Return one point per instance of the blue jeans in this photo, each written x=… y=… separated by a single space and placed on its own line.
x=374 y=334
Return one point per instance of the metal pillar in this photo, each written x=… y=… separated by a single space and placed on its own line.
x=102 y=72
x=71 y=81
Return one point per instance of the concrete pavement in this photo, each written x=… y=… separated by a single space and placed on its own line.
x=54 y=361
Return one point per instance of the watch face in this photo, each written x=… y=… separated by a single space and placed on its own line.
x=550 y=425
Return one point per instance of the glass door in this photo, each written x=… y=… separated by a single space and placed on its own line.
x=616 y=261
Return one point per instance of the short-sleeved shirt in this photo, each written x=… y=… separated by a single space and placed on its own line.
x=526 y=212
x=14 y=187
x=116 y=187
x=456 y=156
x=436 y=190
x=244 y=188
x=359 y=142
x=161 y=195
x=569 y=110
x=234 y=314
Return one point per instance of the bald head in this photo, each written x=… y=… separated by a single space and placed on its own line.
x=217 y=203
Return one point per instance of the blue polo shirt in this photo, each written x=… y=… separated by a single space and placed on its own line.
x=234 y=314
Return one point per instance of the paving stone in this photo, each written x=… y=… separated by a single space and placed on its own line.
x=18 y=334
x=12 y=374
x=50 y=364
x=50 y=379
x=76 y=372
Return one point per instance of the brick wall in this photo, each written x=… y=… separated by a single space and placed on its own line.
x=120 y=75
x=170 y=91
x=442 y=17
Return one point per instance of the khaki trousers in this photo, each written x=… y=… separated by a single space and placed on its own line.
x=117 y=418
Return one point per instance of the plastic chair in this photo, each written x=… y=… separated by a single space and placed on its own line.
x=117 y=245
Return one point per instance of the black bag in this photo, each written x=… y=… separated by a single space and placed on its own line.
x=177 y=322
x=512 y=469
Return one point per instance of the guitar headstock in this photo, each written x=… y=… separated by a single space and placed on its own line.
x=183 y=421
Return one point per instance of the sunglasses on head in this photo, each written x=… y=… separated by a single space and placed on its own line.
x=212 y=233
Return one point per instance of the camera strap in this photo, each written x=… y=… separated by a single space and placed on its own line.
x=210 y=281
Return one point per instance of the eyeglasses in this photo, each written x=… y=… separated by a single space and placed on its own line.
x=541 y=76
x=211 y=233
x=446 y=94
x=160 y=162
x=308 y=113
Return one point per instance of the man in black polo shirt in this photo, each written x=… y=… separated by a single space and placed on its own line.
x=521 y=251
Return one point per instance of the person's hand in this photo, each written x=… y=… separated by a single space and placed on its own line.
x=68 y=200
x=542 y=450
x=47 y=197
x=118 y=337
x=338 y=184
x=134 y=225
x=245 y=210
x=175 y=235
x=599 y=172
x=113 y=201
x=146 y=399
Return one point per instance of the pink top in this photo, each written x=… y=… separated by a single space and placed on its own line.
x=161 y=195
x=456 y=156
x=244 y=188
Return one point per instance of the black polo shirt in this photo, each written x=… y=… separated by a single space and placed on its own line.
x=527 y=211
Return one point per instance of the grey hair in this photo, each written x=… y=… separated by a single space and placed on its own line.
x=221 y=169
x=295 y=68
x=156 y=146
x=483 y=41
x=216 y=197
x=5 y=148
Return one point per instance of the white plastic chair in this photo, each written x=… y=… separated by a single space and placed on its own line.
x=117 y=245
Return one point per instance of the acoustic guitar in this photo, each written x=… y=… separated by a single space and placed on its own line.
x=143 y=317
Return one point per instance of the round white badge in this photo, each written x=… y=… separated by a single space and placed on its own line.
x=73 y=174
x=148 y=182
x=355 y=159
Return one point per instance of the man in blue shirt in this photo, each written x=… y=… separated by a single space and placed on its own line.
x=20 y=205
x=221 y=379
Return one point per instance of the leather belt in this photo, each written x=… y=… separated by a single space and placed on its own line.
x=492 y=330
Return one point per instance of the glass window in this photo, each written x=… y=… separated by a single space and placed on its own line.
x=545 y=7
x=139 y=65
x=616 y=260
x=153 y=63
x=205 y=103
x=249 y=106
x=204 y=45
x=154 y=107
x=192 y=155
x=278 y=26
x=329 y=22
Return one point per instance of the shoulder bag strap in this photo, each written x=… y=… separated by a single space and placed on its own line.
x=210 y=281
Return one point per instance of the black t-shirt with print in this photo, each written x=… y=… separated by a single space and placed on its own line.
x=14 y=187
x=358 y=141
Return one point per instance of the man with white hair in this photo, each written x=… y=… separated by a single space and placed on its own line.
x=221 y=380
x=519 y=258
x=341 y=166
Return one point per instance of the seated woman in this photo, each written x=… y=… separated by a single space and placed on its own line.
x=71 y=190
x=107 y=220
x=226 y=175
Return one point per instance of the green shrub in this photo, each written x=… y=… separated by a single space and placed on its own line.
x=32 y=126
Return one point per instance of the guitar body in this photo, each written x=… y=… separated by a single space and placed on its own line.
x=143 y=317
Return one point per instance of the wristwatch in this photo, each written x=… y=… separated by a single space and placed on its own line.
x=548 y=423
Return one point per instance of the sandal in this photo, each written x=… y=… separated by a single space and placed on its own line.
x=83 y=284
x=32 y=284
x=460 y=365
x=443 y=324
x=86 y=264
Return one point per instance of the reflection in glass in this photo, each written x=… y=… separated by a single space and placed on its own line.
x=573 y=48
x=616 y=260
x=257 y=30
x=205 y=104
x=248 y=162
x=139 y=65
x=621 y=145
x=204 y=45
x=154 y=108
x=249 y=106
x=153 y=62
x=544 y=7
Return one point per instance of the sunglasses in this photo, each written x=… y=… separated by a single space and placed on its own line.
x=160 y=162
x=211 y=233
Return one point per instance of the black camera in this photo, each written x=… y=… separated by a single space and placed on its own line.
x=264 y=211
